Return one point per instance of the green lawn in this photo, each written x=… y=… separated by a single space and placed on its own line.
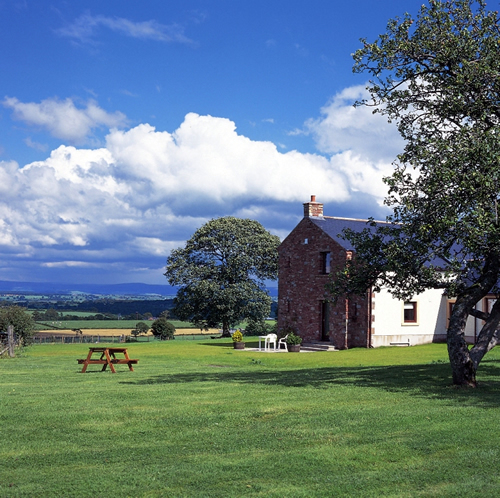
x=197 y=418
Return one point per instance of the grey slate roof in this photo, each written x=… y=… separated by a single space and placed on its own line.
x=333 y=228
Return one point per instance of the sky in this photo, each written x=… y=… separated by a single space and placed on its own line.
x=125 y=126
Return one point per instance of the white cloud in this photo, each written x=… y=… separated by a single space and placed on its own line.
x=63 y=119
x=206 y=159
x=343 y=127
x=69 y=264
x=125 y=205
x=36 y=145
x=84 y=29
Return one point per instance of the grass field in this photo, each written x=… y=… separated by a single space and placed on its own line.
x=106 y=324
x=119 y=332
x=197 y=418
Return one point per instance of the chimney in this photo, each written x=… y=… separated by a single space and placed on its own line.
x=313 y=209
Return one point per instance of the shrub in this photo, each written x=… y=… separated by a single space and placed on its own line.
x=257 y=327
x=237 y=336
x=293 y=339
x=163 y=329
x=24 y=326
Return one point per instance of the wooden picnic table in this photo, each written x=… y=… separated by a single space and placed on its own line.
x=107 y=356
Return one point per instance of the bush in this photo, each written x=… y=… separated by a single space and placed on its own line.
x=163 y=329
x=140 y=328
x=237 y=336
x=24 y=326
x=258 y=327
x=293 y=339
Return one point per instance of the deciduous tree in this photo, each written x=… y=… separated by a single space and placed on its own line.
x=21 y=320
x=221 y=273
x=140 y=328
x=163 y=329
x=438 y=78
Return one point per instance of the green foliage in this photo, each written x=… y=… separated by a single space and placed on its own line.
x=21 y=320
x=438 y=79
x=163 y=329
x=258 y=327
x=140 y=328
x=293 y=339
x=221 y=272
x=237 y=336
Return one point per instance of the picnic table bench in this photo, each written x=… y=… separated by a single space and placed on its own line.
x=107 y=356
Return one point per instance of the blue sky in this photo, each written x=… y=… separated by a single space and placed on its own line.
x=124 y=126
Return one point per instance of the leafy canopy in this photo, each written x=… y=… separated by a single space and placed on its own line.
x=438 y=79
x=221 y=272
x=24 y=326
x=163 y=329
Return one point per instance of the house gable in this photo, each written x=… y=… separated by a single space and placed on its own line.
x=307 y=258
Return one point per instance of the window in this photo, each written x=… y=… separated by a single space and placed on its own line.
x=410 y=312
x=325 y=262
x=490 y=302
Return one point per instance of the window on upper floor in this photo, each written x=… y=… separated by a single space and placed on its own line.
x=325 y=262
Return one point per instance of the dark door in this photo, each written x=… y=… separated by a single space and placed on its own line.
x=325 y=321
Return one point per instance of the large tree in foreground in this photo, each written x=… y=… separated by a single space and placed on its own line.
x=438 y=78
x=221 y=272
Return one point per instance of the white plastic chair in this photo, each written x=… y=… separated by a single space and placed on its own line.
x=270 y=339
x=282 y=342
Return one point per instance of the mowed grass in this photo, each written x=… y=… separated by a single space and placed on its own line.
x=197 y=418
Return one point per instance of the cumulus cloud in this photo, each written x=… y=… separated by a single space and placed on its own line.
x=206 y=159
x=124 y=206
x=342 y=127
x=85 y=28
x=63 y=119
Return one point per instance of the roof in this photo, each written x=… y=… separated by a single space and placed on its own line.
x=333 y=228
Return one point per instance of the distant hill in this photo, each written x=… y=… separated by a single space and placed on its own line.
x=134 y=289
x=103 y=289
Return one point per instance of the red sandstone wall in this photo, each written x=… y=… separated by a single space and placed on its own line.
x=301 y=289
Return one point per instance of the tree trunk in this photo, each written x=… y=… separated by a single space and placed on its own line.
x=463 y=370
x=488 y=336
x=463 y=363
x=225 y=329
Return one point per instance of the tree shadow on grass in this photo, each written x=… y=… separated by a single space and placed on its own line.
x=229 y=345
x=427 y=381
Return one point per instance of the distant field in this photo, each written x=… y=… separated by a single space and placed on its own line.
x=115 y=332
x=105 y=324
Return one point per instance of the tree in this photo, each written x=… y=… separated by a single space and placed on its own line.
x=140 y=328
x=221 y=273
x=163 y=329
x=258 y=327
x=24 y=326
x=438 y=78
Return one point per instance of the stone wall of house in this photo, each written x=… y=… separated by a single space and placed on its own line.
x=301 y=289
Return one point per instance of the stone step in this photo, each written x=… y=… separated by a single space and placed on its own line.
x=318 y=346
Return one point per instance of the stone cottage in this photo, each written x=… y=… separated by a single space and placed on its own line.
x=308 y=258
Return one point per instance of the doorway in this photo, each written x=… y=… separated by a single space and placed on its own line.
x=325 y=321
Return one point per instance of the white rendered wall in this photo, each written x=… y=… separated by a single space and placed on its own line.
x=432 y=320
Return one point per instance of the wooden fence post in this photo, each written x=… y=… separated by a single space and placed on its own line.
x=10 y=340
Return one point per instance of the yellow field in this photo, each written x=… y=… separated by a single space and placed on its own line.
x=116 y=332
